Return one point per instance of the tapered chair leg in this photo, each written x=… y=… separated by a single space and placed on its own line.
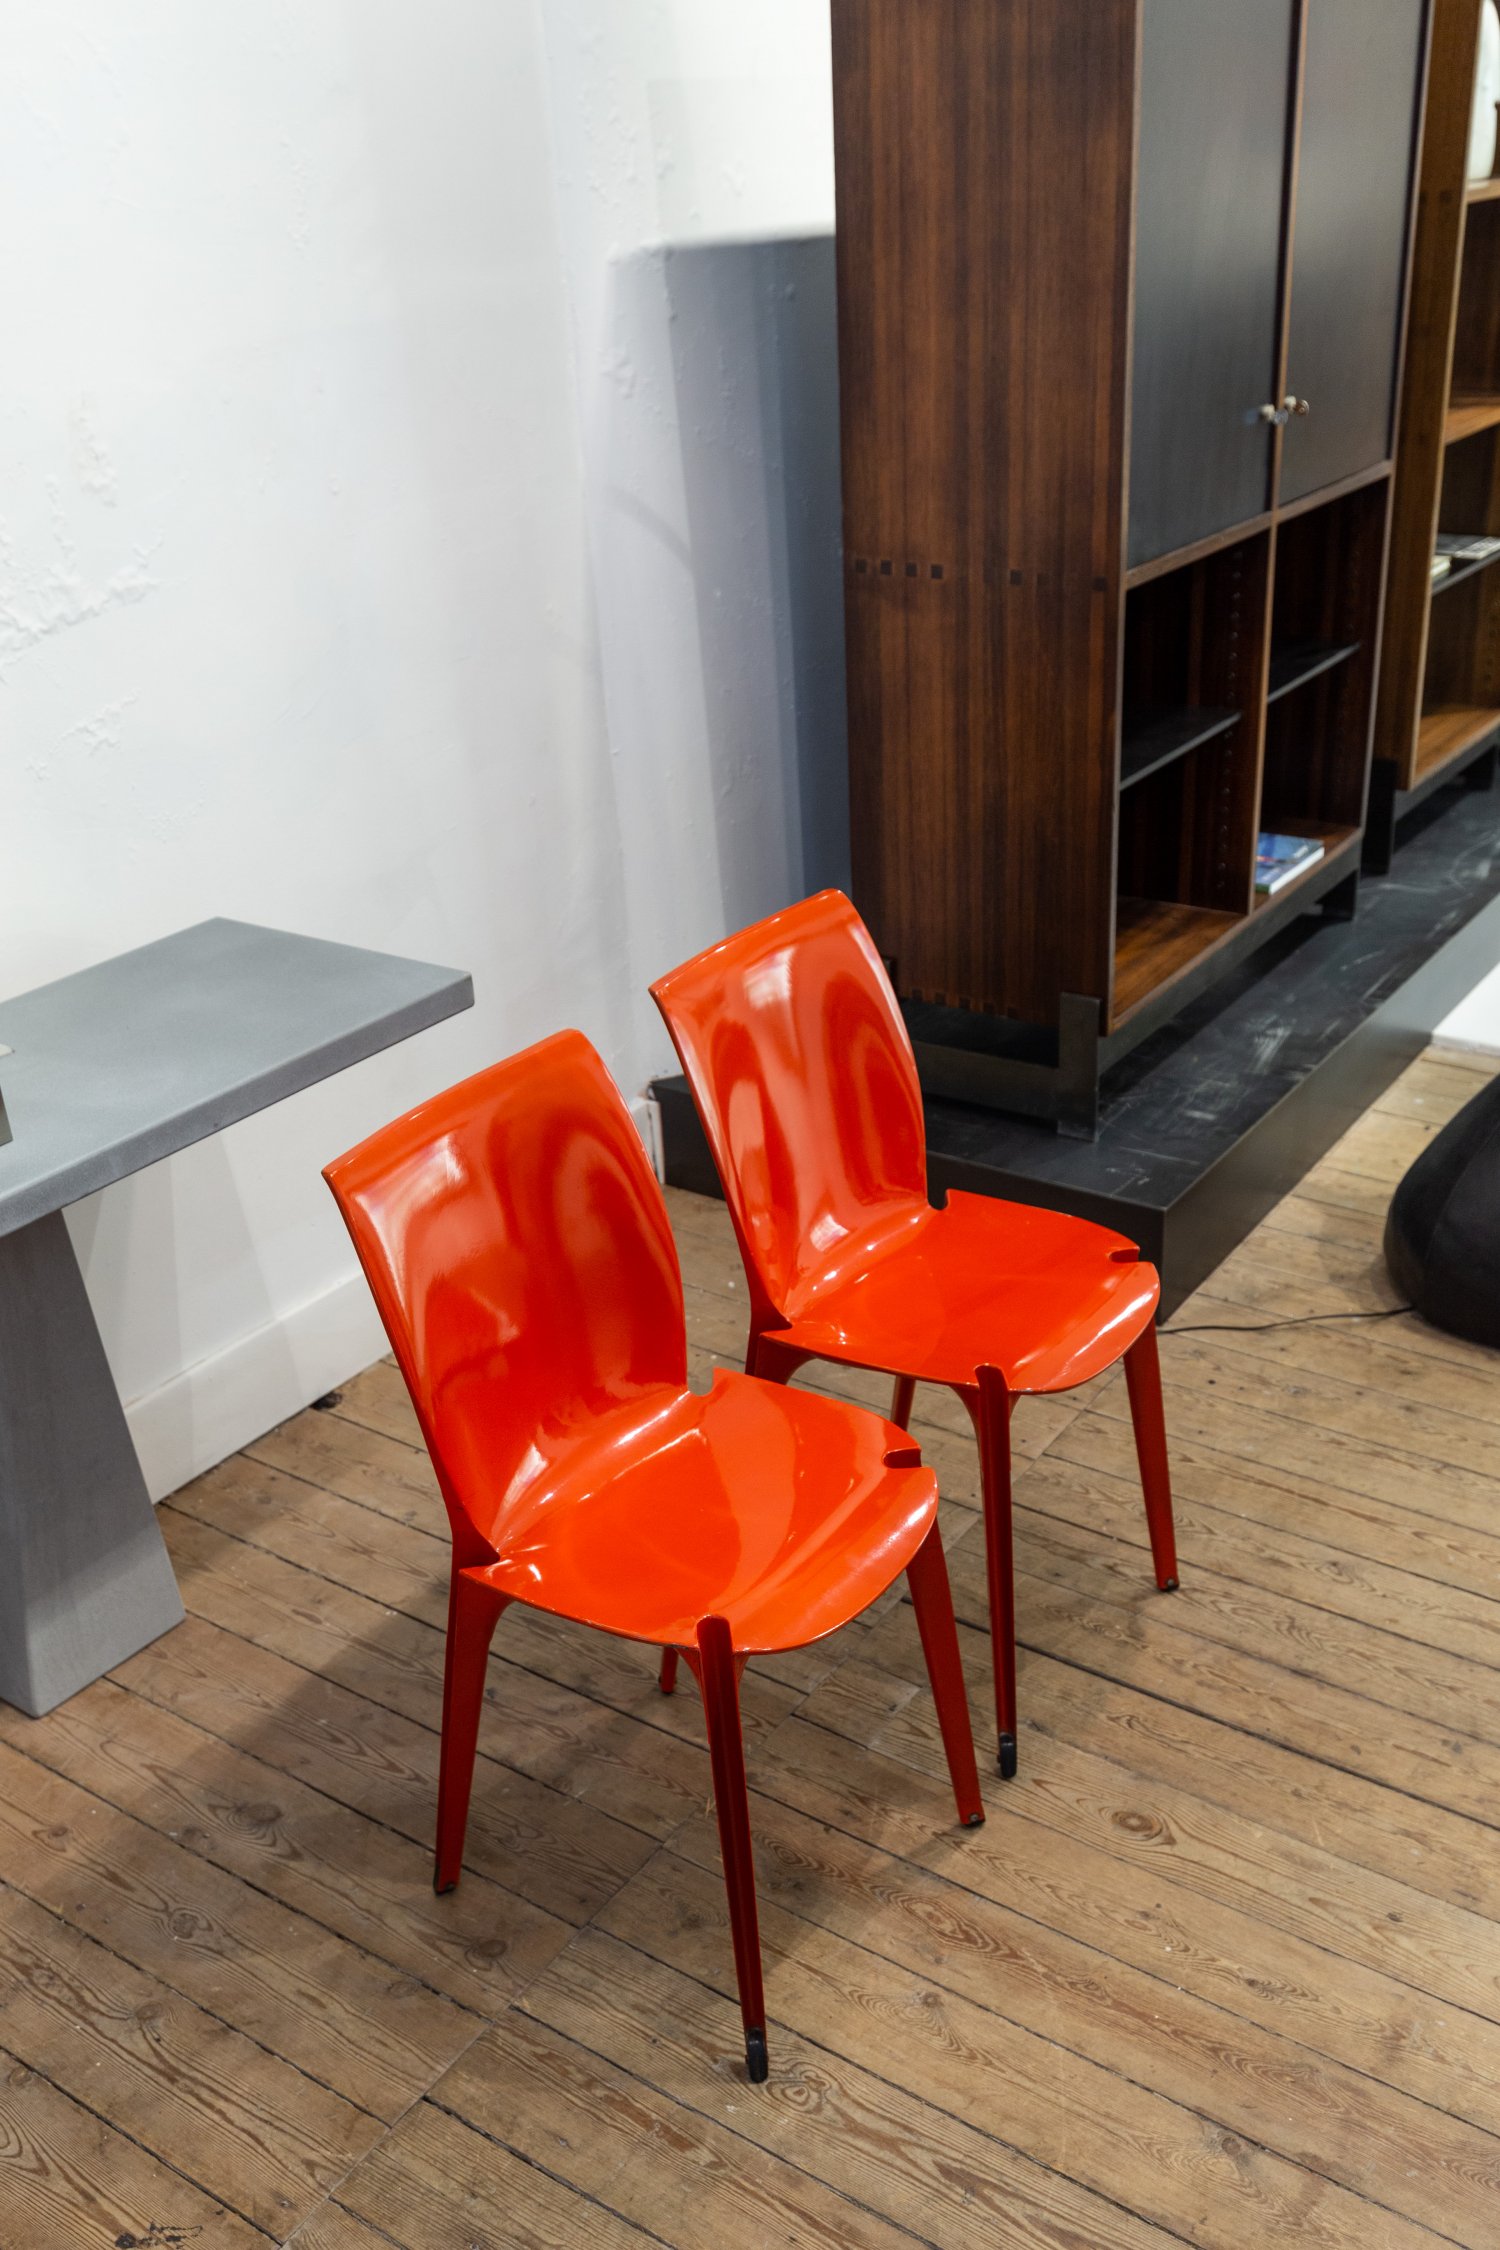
x=473 y=1613
x=992 y=1425
x=718 y=1673
x=901 y=1401
x=932 y=1599
x=666 y=1679
x=1143 y=1381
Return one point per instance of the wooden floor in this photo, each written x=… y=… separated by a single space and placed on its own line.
x=1222 y=1968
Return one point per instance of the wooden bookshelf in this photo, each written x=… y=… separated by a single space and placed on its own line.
x=1093 y=651
x=1439 y=689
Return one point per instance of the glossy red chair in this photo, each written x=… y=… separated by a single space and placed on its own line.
x=520 y=1255
x=806 y=1085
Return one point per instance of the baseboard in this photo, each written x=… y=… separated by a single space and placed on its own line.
x=214 y=1407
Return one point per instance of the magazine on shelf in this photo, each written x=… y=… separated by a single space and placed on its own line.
x=1467 y=546
x=1278 y=859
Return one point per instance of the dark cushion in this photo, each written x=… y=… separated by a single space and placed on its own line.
x=1442 y=1235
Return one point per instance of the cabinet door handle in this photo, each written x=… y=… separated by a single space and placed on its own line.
x=1301 y=407
x=1273 y=416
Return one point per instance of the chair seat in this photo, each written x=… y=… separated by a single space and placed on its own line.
x=783 y=1512
x=1049 y=1300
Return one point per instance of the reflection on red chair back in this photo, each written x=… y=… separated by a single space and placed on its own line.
x=804 y=1078
x=519 y=1253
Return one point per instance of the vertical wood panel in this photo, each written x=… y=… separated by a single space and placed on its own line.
x=984 y=153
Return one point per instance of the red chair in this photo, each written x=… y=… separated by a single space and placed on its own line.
x=806 y=1085
x=521 y=1259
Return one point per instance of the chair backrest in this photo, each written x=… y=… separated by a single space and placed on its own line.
x=521 y=1259
x=805 y=1081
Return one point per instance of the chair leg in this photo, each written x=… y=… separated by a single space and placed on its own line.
x=901 y=1401
x=993 y=1424
x=1143 y=1381
x=718 y=1673
x=932 y=1599
x=667 y=1677
x=473 y=1613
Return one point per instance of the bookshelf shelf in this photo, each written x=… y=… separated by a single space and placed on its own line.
x=1466 y=417
x=1150 y=740
x=1294 y=664
x=1461 y=573
x=1335 y=841
x=1446 y=733
x=1157 y=941
x=1482 y=191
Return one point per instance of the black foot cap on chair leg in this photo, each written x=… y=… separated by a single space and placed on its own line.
x=1169 y=1585
x=1006 y=1757
x=757 y=2061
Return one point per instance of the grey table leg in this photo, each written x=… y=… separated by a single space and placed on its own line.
x=84 y=1576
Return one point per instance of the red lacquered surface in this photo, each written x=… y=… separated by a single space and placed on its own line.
x=519 y=1252
x=805 y=1081
x=804 y=1078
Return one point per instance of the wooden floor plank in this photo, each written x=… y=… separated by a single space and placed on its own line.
x=481 y=1944
x=70 y=2182
x=1347 y=1551
x=556 y=1853
x=1222 y=1968
x=685 y=2179
x=1166 y=2163
x=956 y=2182
x=1174 y=1887
x=1345 y=2122
x=266 y=2141
x=368 y=2036
x=436 y=2184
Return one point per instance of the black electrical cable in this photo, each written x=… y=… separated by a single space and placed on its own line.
x=1257 y=1327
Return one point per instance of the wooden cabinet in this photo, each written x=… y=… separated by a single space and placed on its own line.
x=1113 y=604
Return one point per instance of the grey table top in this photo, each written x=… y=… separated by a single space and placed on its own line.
x=121 y=1064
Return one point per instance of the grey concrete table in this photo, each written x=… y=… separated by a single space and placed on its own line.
x=113 y=1069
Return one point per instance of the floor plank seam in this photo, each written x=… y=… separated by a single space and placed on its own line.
x=481 y=2026
x=1144 y=1785
x=821 y=2047
x=123 y=2133
x=375 y=1960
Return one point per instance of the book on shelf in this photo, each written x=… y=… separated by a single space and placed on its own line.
x=1441 y=565
x=1466 y=546
x=1278 y=859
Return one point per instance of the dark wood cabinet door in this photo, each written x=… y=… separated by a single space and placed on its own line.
x=1210 y=193
x=1359 y=98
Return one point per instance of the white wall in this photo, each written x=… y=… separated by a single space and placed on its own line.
x=694 y=150
x=1475 y=1022
x=388 y=393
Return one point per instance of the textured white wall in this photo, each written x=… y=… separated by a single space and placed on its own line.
x=295 y=621
x=418 y=525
